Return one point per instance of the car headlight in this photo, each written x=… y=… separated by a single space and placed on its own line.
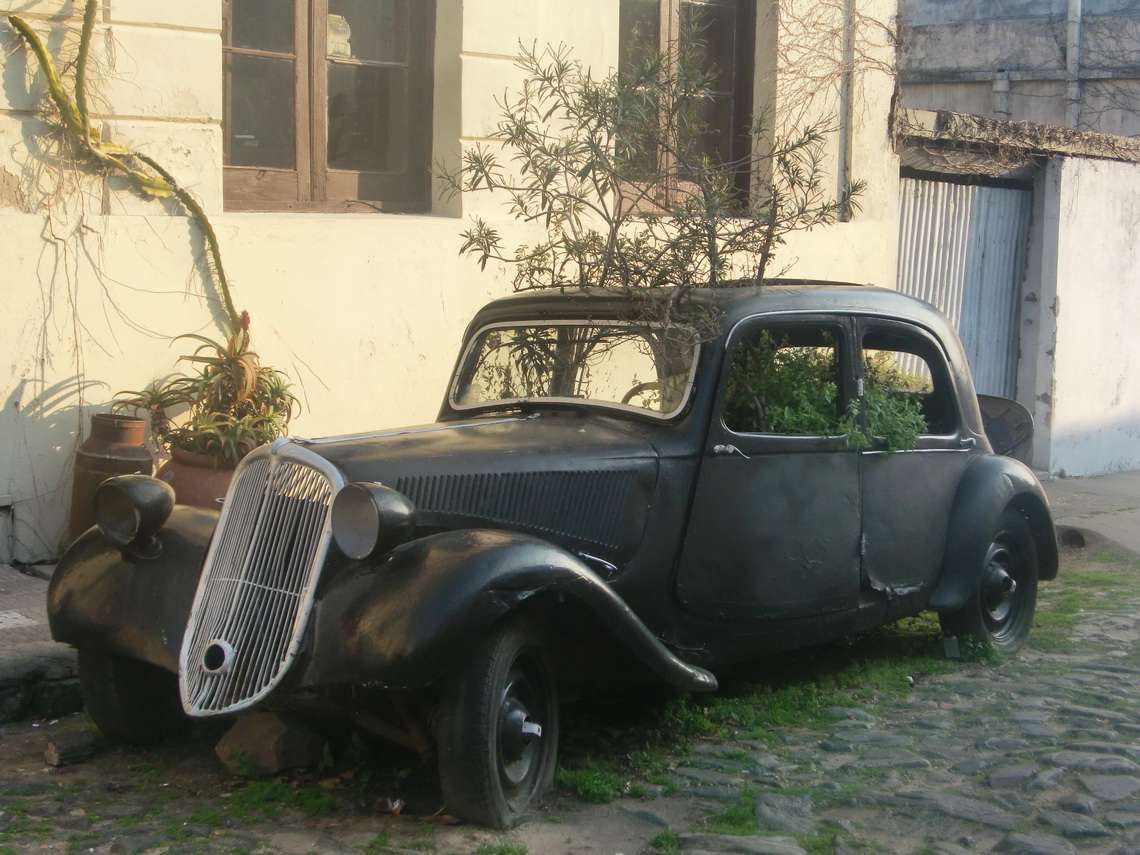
x=371 y=519
x=130 y=510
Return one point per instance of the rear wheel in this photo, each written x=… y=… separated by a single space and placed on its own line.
x=999 y=613
x=130 y=701
x=498 y=728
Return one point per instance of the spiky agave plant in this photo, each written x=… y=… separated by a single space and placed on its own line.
x=230 y=405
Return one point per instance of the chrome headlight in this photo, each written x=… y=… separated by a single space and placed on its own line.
x=371 y=519
x=130 y=510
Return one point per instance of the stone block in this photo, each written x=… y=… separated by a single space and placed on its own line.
x=266 y=743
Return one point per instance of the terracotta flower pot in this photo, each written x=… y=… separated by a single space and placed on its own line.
x=200 y=480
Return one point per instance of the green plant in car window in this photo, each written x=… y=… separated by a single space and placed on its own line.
x=891 y=398
x=778 y=387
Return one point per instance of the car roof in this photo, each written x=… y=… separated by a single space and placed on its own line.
x=729 y=304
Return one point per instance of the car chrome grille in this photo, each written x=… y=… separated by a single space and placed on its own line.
x=258 y=581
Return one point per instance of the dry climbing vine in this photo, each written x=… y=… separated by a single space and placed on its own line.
x=145 y=175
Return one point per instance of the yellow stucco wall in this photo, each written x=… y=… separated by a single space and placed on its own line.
x=363 y=311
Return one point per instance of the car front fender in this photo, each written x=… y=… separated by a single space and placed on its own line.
x=101 y=597
x=405 y=620
x=990 y=485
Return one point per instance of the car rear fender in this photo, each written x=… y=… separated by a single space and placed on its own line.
x=101 y=597
x=406 y=619
x=989 y=486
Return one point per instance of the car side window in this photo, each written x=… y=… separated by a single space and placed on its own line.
x=786 y=380
x=906 y=388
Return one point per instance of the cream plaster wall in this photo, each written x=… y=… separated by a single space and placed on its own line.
x=364 y=312
x=1095 y=420
x=806 y=37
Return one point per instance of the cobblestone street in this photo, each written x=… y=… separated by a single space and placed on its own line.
x=1037 y=755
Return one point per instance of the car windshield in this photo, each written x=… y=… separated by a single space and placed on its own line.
x=643 y=367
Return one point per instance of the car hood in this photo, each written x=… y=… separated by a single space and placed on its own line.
x=583 y=482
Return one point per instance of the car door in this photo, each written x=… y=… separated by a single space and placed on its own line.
x=907 y=492
x=775 y=521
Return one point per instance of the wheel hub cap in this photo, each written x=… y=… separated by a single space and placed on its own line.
x=999 y=588
x=517 y=732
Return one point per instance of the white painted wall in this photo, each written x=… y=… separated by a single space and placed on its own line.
x=364 y=312
x=1096 y=413
x=1082 y=353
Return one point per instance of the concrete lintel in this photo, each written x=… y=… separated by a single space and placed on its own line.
x=958 y=129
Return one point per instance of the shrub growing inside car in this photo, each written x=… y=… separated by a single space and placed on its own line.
x=785 y=383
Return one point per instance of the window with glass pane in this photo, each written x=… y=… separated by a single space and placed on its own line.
x=720 y=34
x=785 y=380
x=319 y=97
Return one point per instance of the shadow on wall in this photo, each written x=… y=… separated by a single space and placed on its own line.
x=38 y=438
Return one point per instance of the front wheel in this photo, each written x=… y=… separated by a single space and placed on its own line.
x=130 y=701
x=498 y=728
x=999 y=613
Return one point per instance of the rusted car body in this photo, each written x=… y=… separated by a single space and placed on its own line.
x=614 y=483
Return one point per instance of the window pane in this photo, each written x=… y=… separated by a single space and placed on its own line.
x=261 y=112
x=786 y=381
x=639 y=31
x=903 y=393
x=368 y=117
x=715 y=140
x=647 y=368
x=369 y=30
x=709 y=31
x=262 y=25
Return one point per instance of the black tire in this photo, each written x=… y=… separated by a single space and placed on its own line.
x=492 y=763
x=998 y=616
x=130 y=701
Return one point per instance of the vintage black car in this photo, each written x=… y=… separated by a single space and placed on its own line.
x=616 y=484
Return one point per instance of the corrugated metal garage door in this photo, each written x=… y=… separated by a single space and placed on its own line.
x=962 y=248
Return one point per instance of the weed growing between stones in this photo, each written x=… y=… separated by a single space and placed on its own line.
x=269 y=798
x=380 y=844
x=817 y=844
x=666 y=843
x=738 y=818
x=596 y=786
x=1061 y=604
x=501 y=849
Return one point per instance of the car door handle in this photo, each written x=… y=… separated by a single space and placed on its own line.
x=729 y=449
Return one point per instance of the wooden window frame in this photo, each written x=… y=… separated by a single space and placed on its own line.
x=743 y=69
x=312 y=186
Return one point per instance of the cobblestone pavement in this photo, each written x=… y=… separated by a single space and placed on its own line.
x=1038 y=755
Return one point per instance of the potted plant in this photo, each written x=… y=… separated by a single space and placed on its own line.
x=210 y=419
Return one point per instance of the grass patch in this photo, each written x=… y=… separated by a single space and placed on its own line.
x=1061 y=603
x=817 y=844
x=177 y=831
x=83 y=842
x=269 y=798
x=796 y=690
x=595 y=785
x=666 y=843
x=207 y=816
x=135 y=818
x=801 y=688
x=501 y=849
x=738 y=819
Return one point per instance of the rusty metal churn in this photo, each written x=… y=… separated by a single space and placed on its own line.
x=115 y=447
